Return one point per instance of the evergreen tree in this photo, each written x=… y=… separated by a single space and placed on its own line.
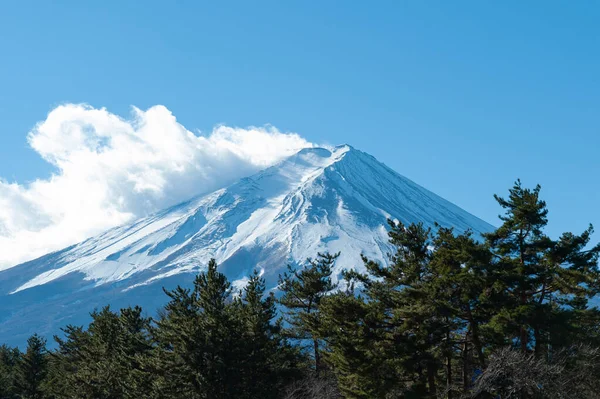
x=461 y=299
x=199 y=340
x=545 y=281
x=411 y=320
x=9 y=358
x=63 y=378
x=270 y=363
x=358 y=352
x=105 y=361
x=302 y=292
x=386 y=342
x=403 y=331
x=32 y=369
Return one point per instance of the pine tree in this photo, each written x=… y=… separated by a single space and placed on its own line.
x=32 y=369
x=419 y=319
x=302 y=292
x=410 y=318
x=63 y=380
x=9 y=358
x=270 y=363
x=545 y=280
x=387 y=342
x=105 y=361
x=401 y=333
x=199 y=340
x=357 y=349
x=458 y=290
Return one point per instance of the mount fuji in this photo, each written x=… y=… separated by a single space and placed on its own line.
x=335 y=200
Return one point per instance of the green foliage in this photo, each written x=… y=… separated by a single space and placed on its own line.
x=209 y=346
x=270 y=361
x=31 y=369
x=302 y=293
x=358 y=353
x=105 y=361
x=426 y=324
x=545 y=282
x=393 y=331
x=197 y=338
x=9 y=358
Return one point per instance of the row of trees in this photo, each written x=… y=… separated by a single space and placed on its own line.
x=439 y=319
x=450 y=316
x=205 y=344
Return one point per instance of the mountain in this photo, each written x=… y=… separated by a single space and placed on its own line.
x=316 y=200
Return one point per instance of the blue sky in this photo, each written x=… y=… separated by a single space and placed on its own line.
x=462 y=97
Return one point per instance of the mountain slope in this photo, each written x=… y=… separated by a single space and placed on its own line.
x=317 y=200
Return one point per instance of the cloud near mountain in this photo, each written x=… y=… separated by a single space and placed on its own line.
x=110 y=170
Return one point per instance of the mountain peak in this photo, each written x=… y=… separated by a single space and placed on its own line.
x=320 y=199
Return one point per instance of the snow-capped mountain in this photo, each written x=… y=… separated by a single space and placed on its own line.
x=317 y=200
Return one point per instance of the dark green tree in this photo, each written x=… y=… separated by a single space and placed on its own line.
x=200 y=340
x=9 y=359
x=104 y=361
x=32 y=369
x=386 y=340
x=546 y=282
x=460 y=298
x=411 y=320
x=270 y=362
x=63 y=379
x=301 y=295
x=416 y=321
x=358 y=352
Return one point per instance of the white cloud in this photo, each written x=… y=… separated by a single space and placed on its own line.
x=111 y=170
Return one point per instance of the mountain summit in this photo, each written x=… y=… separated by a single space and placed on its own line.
x=335 y=200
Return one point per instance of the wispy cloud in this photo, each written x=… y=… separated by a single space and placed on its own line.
x=112 y=170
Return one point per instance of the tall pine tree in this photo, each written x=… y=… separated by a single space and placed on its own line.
x=269 y=361
x=545 y=281
x=9 y=359
x=302 y=292
x=104 y=361
x=32 y=369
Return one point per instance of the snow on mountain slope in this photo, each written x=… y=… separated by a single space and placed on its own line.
x=317 y=200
